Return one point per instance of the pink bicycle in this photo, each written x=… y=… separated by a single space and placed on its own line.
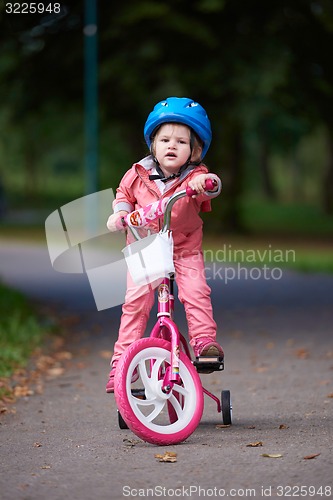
x=165 y=404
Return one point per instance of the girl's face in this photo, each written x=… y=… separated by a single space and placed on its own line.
x=172 y=146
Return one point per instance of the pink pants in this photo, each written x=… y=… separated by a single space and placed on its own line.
x=193 y=292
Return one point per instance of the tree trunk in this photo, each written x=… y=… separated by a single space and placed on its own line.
x=234 y=185
x=31 y=178
x=328 y=178
x=264 y=166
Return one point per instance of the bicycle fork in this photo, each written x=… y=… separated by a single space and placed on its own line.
x=170 y=331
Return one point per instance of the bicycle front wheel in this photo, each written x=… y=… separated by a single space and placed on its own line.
x=157 y=417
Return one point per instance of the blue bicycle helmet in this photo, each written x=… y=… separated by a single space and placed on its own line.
x=180 y=110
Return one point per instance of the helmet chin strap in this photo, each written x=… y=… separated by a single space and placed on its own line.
x=161 y=176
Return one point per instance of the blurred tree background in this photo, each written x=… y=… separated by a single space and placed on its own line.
x=263 y=71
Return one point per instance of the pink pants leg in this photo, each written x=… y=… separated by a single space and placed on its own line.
x=139 y=301
x=194 y=293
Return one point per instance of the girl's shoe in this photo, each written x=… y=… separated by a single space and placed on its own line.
x=205 y=346
x=209 y=355
x=110 y=384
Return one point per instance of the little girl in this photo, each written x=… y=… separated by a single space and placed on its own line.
x=178 y=134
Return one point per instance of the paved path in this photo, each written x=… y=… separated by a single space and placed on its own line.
x=278 y=340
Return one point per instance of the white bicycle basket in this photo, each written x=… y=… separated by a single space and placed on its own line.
x=150 y=258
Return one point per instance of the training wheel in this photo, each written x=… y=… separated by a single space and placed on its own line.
x=226 y=407
x=121 y=422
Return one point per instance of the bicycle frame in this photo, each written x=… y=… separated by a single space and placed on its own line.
x=166 y=328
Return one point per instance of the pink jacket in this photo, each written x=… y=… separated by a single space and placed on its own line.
x=136 y=190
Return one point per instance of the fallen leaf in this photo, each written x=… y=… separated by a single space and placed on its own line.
x=330 y=395
x=302 y=353
x=261 y=369
x=310 y=457
x=270 y=345
x=46 y=467
x=55 y=372
x=37 y=445
x=169 y=456
x=22 y=391
x=63 y=355
x=251 y=427
x=81 y=365
x=39 y=389
x=106 y=354
x=222 y=426
x=45 y=362
x=20 y=372
x=272 y=455
x=131 y=442
x=58 y=342
x=70 y=320
x=255 y=444
x=283 y=426
x=9 y=399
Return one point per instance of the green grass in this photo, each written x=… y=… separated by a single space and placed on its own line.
x=295 y=219
x=301 y=254
x=20 y=331
x=22 y=233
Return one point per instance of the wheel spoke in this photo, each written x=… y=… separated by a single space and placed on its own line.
x=158 y=405
x=156 y=369
x=143 y=402
x=146 y=380
x=181 y=389
x=176 y=405
x=150 y=381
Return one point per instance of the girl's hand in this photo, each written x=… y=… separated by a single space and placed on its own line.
x=198 y=183
x=113 y=223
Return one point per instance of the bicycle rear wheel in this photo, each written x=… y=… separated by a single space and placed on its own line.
x=160 y=418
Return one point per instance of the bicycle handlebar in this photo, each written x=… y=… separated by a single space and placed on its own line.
x=210 y=185
x=143 y=216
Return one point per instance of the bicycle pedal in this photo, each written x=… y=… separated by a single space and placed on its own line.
x=208 y=364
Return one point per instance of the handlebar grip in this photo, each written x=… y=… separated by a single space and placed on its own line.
x=210 y=185
x=143 y=216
